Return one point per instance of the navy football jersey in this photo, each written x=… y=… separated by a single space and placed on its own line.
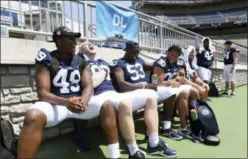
x=97 y=66
x=66 y=79
x=170 y=70
x=133 y=70
x=204 y=59
x=228 y=59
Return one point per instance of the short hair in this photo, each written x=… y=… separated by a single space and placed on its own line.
x=175 y=48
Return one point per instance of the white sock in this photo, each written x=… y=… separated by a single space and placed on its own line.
x=133 y=148
x=153 y=139
x=114 y=151
x=167 y=125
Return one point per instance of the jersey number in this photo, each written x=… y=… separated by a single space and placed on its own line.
x=137 y=71
x=60 y=81
x=96 y=68
x=169 y=76
x=41 y=55
x=227 y=55
x=208 y=55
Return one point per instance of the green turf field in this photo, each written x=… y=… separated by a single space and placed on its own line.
x=231 y=114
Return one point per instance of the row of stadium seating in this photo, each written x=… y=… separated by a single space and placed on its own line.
x=237 y=16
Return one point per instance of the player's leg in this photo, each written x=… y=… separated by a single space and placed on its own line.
x=232 y=79
x=31 y=134
x=203 y=74
x=226 y=78
x=148 y=98
x=38 y=116
x=168 y=96
x=126 y=123
x=108 y=124
x=184 y=93
x=125 y=116
x=100 y=106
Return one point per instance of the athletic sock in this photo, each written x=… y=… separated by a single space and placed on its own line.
x=153 y=139
x=167 y=125
x=133 y=148
x=114 y=151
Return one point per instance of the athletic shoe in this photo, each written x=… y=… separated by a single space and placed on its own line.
x=225 y=94
x=161 y=149
x=171 y=134
x=232 y=95
x=185 y=132
x=147 y=139
x=138 y=155
x=209 y=100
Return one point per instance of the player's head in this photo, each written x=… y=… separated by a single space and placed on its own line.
x=87 y=48
x=206 y=43
x=228 y=44
x=132 y=50
x=173 y=53
x=65 y=39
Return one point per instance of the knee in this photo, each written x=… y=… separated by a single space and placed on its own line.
x=108 y=107
x=125 y=107
x=34 y=117
x=152 y=101
x=194 y=93
x=183 y=95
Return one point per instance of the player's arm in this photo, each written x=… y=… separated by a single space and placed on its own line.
x=43 y=85
x=196 y=79
x=148 y=65
x=235 y=59
x=87 y=85
x=122 y=84
x=183 y=80
x=160 y=73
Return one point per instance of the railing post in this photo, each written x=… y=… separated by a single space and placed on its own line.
x=161 y=36
x=86 y=20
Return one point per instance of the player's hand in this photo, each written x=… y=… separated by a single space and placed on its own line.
x=202 y=92
x=180 y=79
x=232 y=70
x=152 y=86
x=84 y=104
x=206 y=86
x=174 y=84
x=74 y=105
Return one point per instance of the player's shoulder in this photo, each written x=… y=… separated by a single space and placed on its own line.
x=140 y=60
x=43 y=57
x=162 y=59
x=102 y=62
x=116 y=63
x=233 y=49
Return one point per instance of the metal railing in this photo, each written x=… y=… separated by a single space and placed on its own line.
x=155 y=34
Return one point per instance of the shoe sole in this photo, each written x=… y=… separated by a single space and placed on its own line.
x=7 y=135
x=186 y=136
x=176 y=139
x=162 y=154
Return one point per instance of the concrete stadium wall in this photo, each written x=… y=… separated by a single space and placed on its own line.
x=18 y=87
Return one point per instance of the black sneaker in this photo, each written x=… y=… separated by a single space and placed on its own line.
x=171 y=134
x=161 y=149
x=147 y=139
x=225 y=94
x=185 y=132
x=138 y=155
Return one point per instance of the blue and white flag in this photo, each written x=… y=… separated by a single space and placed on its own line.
x=114 y=24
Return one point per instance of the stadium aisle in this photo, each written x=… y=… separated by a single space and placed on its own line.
x=232 y=117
